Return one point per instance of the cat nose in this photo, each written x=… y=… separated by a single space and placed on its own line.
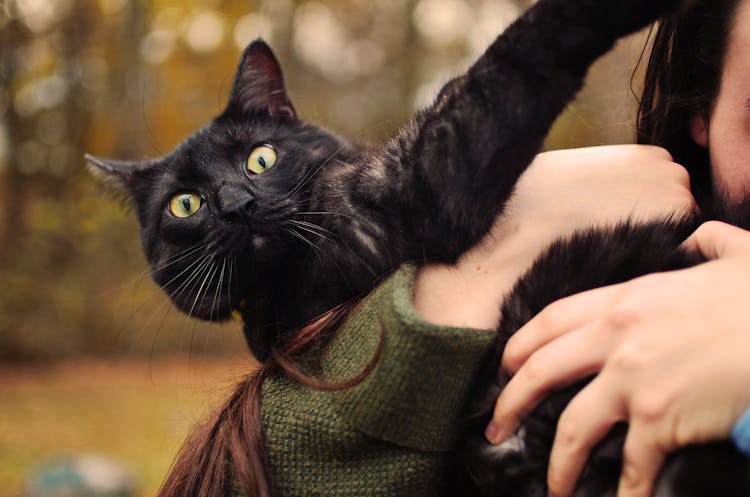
x=239 y=210
x=235 y=203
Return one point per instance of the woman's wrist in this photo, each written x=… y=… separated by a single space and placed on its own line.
x=470 y=293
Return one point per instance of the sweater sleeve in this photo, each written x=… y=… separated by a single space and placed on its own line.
x=415 y=394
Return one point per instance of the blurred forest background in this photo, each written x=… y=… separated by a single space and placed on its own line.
x=129 y=79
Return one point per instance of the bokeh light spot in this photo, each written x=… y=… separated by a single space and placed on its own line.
x=443 y=22
x=157 y=46
x=204 y=32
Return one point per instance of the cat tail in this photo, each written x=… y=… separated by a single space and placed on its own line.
x=486 y=126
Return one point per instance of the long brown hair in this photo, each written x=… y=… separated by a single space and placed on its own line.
x=226 y=453
x=682 y=80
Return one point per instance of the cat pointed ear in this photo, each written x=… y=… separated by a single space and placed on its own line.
x=117 y=174
x=259 y=86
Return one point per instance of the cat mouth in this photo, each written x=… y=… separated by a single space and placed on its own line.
x=266 y=228
x=267 y=222
x=235 y=241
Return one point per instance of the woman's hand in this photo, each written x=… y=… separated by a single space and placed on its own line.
x=672 y=349
x=561 y=192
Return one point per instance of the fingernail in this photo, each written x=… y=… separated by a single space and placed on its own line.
x=491 y=433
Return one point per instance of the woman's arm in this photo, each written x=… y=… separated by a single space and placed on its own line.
x=561 y=192
x=672 y=349
x=432 y=349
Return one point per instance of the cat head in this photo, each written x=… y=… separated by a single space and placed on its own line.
x=217 y=213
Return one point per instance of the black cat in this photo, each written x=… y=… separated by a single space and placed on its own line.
x=282 y=220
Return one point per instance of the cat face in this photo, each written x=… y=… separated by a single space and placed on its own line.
x=218 y=214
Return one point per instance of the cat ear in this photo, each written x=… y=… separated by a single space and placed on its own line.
x=117 y=174
x=259 y=86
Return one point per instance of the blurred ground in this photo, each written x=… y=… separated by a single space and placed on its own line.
x=136 y=411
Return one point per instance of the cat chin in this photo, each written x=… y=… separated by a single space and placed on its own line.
x=209 y=307
x=207 y=310
x=259 y=242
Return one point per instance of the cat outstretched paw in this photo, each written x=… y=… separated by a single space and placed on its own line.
x=632 y=15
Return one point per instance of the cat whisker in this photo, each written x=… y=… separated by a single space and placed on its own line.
x=168 y=305
x=202 y=293
x=143 y=304
x=361 y=220
x=210 y=269
x=312 y=229
x=140 y=307
x=312 y=172
x=192 y=280
x=132 y=315
x=202 y=271
x=361 y=260
x=168 y=262
x=215 y=300
x=229 y=280
x=218 y=288
x=181 y=256
x=312 y=226
x=325 y=213
x=302 y=238
x=358 y=219
x=195 y=265
x=309 y=174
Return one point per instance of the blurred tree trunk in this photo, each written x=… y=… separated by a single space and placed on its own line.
x=407 y=67
x=12 y=36
x=75 y=108
x=130 y=90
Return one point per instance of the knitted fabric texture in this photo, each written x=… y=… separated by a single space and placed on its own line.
x=388 y=436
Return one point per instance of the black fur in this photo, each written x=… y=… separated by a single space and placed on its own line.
x=587 y=260
x=331 y=218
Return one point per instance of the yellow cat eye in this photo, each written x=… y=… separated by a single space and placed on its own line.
x=261 y=159
x=185 y=204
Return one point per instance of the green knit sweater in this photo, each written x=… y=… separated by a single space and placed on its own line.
x=387 y=436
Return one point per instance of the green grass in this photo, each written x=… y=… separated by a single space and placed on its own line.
x=136 y=412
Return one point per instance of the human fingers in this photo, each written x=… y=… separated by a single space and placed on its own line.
x=642 y=461
x=675 y=199
x=584 y=422
x=555 y=320
x=567 y=190
x=715 y=240
x=672 y=179
x=559 y=363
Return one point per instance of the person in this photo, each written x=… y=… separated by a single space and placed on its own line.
x=378 y=411
x=671 y=348
x=389 y=431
